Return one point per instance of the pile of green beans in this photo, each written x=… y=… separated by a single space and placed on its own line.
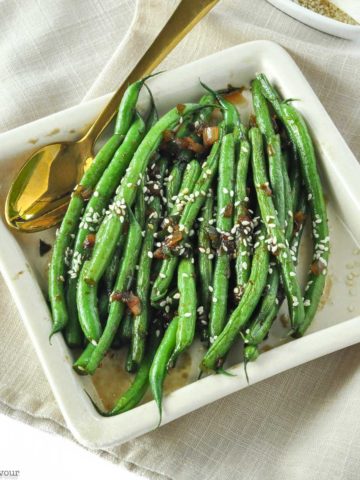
x=189 y=224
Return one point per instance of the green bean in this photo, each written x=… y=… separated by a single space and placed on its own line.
x=205 y=113
x=92 y=330
x=168 y=265
x=276 y=177
x=109 y=278
x=141 y=321
x=273 y=144
x=191 y=175
x=173 y=184
x=74 y=336
x=257 y=333
x=103 y=304
x=300 y=214
x=202 y=186
x=81 y=363
x=270 y=303
x=125 y=330
x=224 y=223
x=122 y=284
x=188 y=217
x=300 y=136
x=271 y=296
x=127 y=107
x=205 y=266
x=112 y=225
x=295 y=180
x=130 y=365
x=187 y=309
x=68 y=228
x=158 y=367
x=261 y=325
x=291 y=198
x=213 y=359
x=113 y=268
x=270 y=93
x=231 y=115
x=243 y=222
x=261 y=109
x=95 y=211
x=276 y=241
x=140 y=207
x=153 y=116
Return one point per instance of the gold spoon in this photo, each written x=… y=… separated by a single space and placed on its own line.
x=39 y=196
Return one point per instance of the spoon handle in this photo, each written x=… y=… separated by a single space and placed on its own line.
x=185 y=17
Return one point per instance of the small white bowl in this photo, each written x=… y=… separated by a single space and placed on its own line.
x=317 y=21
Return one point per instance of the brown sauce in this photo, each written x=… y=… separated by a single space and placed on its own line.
x=284 y=320
x=53 y=132
x=111 y=379
x=326 y=293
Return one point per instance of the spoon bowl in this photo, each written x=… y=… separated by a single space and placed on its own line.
x=41 y=191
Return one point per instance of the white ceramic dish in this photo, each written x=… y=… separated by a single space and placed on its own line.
x=336 y=325
x=319 y=22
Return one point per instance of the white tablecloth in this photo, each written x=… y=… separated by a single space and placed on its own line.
x=303 y=424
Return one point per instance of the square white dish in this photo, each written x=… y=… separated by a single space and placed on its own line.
x=337 y=323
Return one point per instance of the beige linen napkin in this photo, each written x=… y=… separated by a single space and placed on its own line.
x=302 y=424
